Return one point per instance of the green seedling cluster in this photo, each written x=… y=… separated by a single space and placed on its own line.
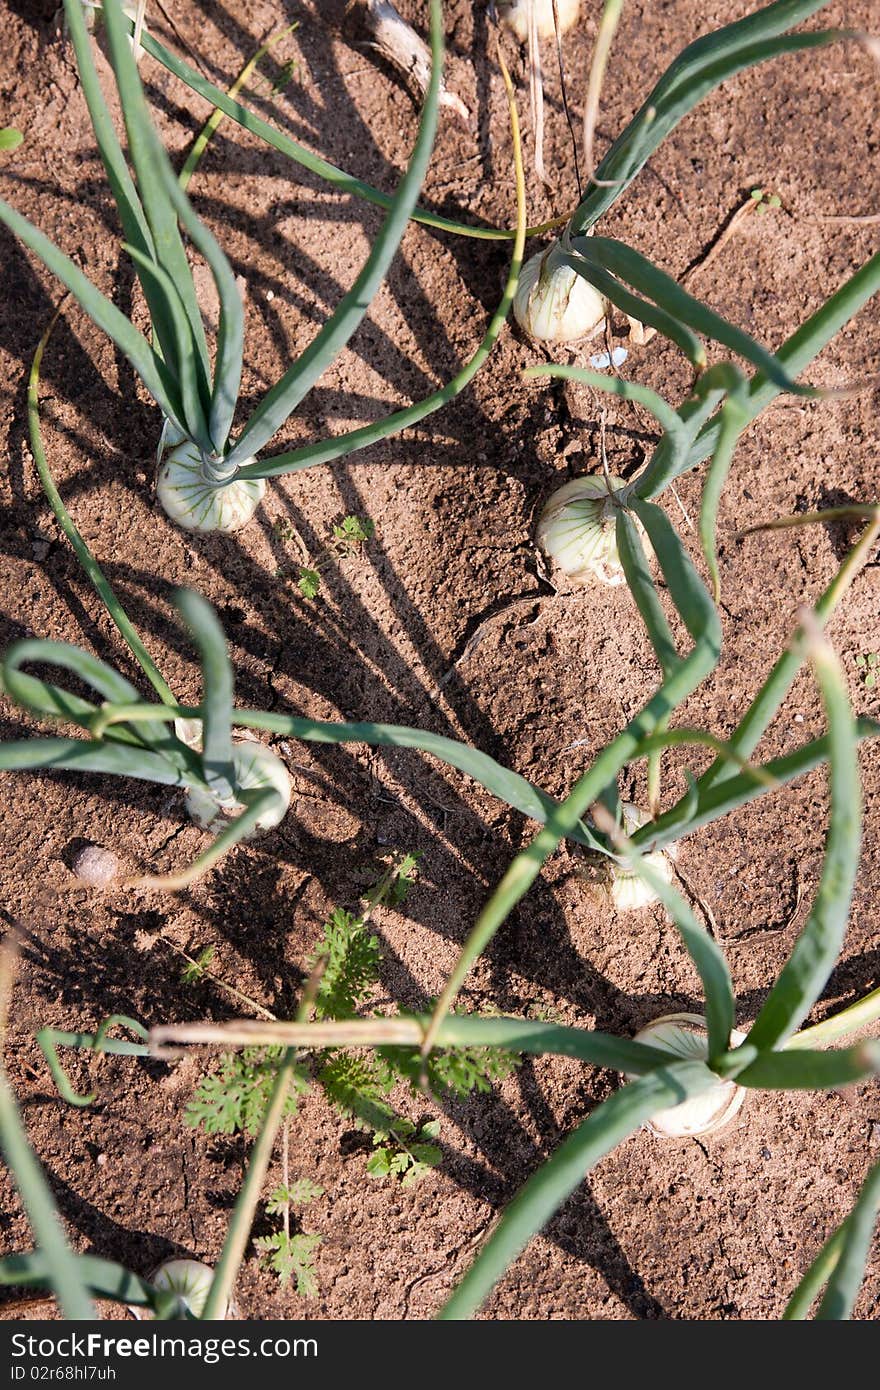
x=235 y=785
x=347 y=963
x=868 y=664
x=349 y=537
x=237 y=1096
x=291 y=1254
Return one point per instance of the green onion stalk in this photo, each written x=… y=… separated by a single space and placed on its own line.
x=212 y=476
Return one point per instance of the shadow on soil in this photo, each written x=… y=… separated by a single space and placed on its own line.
x=348 y=663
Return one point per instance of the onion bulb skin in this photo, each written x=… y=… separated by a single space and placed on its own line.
x=197 y=503
x=684 y=1036
x=629 y=893
x=514 y=15
x=256 y=768
x=577 y=530
x=129 y=9
x=554 y=304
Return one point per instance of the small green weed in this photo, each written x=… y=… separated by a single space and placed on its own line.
x=869 y=668
x=233 y=1099
x=197 y=967
x=346 y=965
x=405 y=1151
x=349 y=537
x=290 y=1254
x=765 y=200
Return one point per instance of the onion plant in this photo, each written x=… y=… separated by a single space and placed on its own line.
x=618 y=276
x=212 y=478
x=700 y=68
x=244 y=784
x=566 y=290
x=193 y=747
x=224 y=778
x=773 y=1055
x=770 y=1054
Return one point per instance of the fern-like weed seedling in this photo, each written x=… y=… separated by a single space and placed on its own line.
x=405 y=1151
x=233 y=1098
x=346 y=962
x=196 y=968
x=290 y=1254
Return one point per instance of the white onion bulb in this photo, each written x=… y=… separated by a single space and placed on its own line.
x=198 y=504
x=628 y=891
x=684 y=1035
x=576 y=530
x=191 y=1281
x=514 y=14
x=256 y=767
x=554 y=304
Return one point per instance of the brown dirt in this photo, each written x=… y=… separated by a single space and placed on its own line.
x=685 y=1230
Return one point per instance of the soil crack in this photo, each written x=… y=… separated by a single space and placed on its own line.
x=466 y=1246
x=475 y=628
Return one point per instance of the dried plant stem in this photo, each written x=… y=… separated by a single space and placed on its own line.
x=220 y=982
x=403 y=48
x=724 y=236
x=854 y=511
x=404 y=1032
x=536 y=92
x=9 y=949
x=867 y=219
x=564 y=93
x=138 y=29
x=840 y=1025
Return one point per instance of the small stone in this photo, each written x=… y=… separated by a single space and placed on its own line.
x=96 y=866
x=101 y=1159
x=874 y=1134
